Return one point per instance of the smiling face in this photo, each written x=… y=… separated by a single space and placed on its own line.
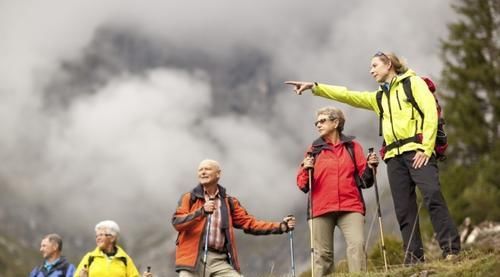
x=104 y=239
x=208 y=173
x=379 y=70
x=48 y=249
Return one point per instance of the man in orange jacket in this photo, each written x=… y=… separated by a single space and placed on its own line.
x=191 y=221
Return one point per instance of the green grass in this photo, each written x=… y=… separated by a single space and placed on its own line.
x=15 y=259
x=471 y=262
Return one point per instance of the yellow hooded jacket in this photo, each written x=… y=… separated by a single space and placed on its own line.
x=400 y=119
x=104 y=266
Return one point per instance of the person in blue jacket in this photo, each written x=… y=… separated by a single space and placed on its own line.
x=54 y=265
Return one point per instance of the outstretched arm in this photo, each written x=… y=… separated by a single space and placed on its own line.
x=366 y=100
x=250 y=225
x=299 y=86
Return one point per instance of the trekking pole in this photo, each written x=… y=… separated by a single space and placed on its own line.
x=370 y=151
x=310 y=184
x=412 y=232
x=292 y=258
x=205 y=249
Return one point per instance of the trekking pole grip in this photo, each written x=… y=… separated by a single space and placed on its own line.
x=211 y=212
x=290 y=215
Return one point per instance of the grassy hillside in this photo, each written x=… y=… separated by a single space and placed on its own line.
x=16 y=260
x=470 y=263
x=479 y=259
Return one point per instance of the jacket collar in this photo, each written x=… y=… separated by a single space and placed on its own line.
x=119 y=253
x=398 y=79
x=198 y=191
x=320 y=142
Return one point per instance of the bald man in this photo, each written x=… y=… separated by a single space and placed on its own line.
x=209 y=200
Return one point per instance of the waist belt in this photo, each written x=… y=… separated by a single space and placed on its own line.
x=211 y=249
x=400 y=142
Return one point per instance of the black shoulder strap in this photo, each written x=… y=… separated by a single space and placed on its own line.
x=90 y=261
x=124 y=260
x=409 y=94
x=192 y=198
x=231 y=204
x=381 y=111
x=359 y=181
x=350 y=149
x=62 y=266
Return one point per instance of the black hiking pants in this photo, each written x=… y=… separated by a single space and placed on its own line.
x=402 y=179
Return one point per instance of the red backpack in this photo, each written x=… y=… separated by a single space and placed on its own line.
x=441 y=137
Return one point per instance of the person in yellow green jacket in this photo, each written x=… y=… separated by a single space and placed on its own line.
x=409 y=155
x=107 y=259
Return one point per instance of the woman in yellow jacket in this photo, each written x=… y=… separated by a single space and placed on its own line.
x=107 y=259
x=409 y=155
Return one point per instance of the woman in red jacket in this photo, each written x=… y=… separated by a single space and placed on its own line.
x=340 y=170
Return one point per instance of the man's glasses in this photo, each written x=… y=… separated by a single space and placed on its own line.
x=323 y=120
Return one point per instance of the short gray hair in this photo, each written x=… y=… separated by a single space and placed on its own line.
x=110 y=226
x=212 y=162
x=55 y=238
x=333 y=113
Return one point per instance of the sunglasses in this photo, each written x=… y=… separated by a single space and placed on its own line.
x=103 y=235
x=381 y=54
x=323 y=120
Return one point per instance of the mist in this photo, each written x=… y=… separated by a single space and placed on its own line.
x=109 y=106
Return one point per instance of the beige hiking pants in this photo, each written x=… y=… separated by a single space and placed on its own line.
x=351 y=225
x=217 y=266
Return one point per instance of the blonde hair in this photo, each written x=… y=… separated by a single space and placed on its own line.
x=333 y=113
x=397 y=63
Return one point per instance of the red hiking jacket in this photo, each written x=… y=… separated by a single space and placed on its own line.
x=334 y=188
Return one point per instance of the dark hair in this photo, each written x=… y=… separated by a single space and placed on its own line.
x=55 y=238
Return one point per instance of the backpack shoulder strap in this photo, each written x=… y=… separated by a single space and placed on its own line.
x=192 y=198
x=409 y=94
x=90 y=261
x=124 y=260
x=380 y=111
x=231 y=204
x=350 y=149
x=63 y=266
